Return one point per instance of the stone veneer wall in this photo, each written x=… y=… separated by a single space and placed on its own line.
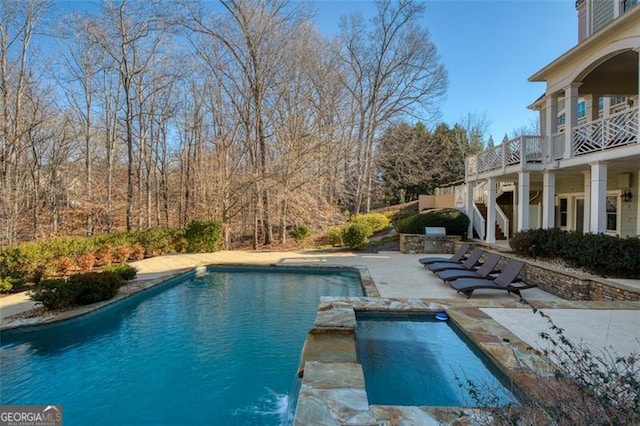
x=419 y=243
x=571 y=286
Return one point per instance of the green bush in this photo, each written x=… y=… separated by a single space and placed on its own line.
x=335 y=235
x=56 y=293
x=159 y=241
x=399 y=215
x=203 y=236
x=96 y=287
x=5 y=285
x=357 y=235
x=455 y=222
x=126 y=272
x=599 y=254
x=300 y=233
x=376 y=222
x=81 y=289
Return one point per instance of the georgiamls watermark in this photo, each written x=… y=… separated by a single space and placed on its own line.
x=30 y=415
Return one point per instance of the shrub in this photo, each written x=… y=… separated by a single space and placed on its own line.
x=300 y=233
x=137 y=252
x=203 y=236
x=455 y=222
x=5 y=285
x=598 y=253
x=376 y=222
x=159 y=241
x=95 y=287
x=65 y=265
x=335 y=235
x=104 y=255
x=399 y=215
x=81 y=289
x=356 y=235
x=403 y=224
x=86 y=261
x=121 y=253
x=126 y=272
x=55 y=293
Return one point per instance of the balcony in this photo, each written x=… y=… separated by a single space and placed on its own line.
x=614 y=131
x=523 y=149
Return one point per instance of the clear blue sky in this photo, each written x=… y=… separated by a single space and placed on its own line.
x=490 y=49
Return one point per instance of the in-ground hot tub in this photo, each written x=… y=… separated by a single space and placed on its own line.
x=412 y=359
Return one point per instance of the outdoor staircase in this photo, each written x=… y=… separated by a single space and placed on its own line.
x=482 y=208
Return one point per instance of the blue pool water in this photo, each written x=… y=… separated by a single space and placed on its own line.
x=420 y=361
x=218 y=349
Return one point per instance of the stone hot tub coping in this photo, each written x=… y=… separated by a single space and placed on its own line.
x=333 y=391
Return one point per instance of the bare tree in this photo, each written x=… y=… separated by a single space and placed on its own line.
x=18 y=21
x=393 y=71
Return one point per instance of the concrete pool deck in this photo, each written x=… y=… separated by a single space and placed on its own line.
x=612 y=324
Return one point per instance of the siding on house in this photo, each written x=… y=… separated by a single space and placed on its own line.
x=602 y=14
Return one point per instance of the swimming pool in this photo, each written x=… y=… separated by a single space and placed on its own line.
x=222 y=348
x=415 y=360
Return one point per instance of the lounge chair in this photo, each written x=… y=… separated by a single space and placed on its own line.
x=506 y=280
x=487 y=268
x=457 y=257
x=468 y=264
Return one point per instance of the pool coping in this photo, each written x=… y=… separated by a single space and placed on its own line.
x=137 y=287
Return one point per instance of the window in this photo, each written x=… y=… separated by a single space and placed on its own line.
x=612 y=213
x=564 y=203
x=582 y=109
x=627 y=4
x=561 y=120
x=618 y=100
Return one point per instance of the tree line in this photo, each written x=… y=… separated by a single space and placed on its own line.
x=139 y=114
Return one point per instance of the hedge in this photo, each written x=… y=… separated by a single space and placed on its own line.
x=455 y=222
x=599 y=254
x=80 y=289
x=203 y=236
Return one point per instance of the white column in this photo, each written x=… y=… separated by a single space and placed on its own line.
x=606 y=106
x=570 y=116
x=587 y=201
x=523 y=197
x=592 y=110
x=598 y=198
x=548 y=199
x=637 y=195
x=469 y=207
x=638 y=52
x=491 y=211
x=552 y=125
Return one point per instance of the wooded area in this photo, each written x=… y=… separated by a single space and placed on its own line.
x=146 y=114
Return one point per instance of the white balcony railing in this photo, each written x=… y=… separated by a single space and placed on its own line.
x=557 y=146
x=514 y=151
x=613 y=131
x=616 y=130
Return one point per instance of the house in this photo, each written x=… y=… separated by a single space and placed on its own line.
x=583 y=172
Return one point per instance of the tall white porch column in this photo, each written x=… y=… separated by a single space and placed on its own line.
x=587 y=201
x=570 y=116
x=638 y=51
x=523 y=200
x=468 y=202
x=637 y=195
x=551 y=128
x=491 y=211
x=598 y=198
x=548 y=199
x=592 y=111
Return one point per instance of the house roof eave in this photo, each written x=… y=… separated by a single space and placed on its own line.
x=625 y=20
